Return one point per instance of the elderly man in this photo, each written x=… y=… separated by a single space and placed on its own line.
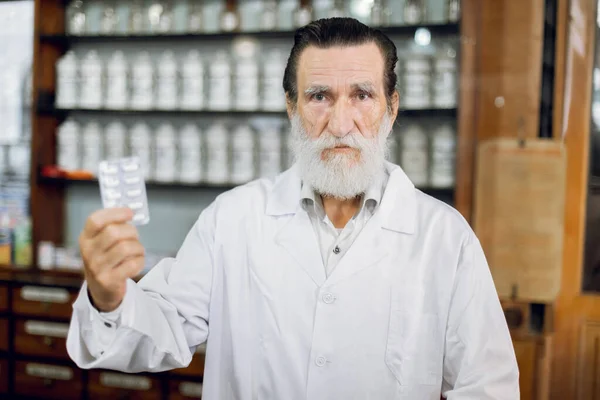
x=338 y=279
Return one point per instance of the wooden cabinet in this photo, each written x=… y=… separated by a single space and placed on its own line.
x=41 y=338
x=113 y=385
x=185 y=389
x=48 y=381
x=196 y=367
x=3 y=298
x=4 y=334
x=3 y=376
x=52 y=302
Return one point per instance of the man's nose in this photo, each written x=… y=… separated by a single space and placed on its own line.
x=341 y=122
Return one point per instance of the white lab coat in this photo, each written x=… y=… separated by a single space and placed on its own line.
x=409 y=312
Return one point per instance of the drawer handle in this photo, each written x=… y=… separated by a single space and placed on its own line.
x=52 y=329
x=51 y=372
x=119 y=381
x=190 y=389
x=48 y=295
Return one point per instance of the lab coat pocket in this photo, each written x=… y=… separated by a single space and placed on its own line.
x=414 y=351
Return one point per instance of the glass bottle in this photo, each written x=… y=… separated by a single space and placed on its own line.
x=219 y=88
x=140 y=143
x=242 y=155
x=76 y=18
x=114 y=141
x=153 y=16
x=68 y=145
x=379 y=13
x=269 y=143
x=273 y=69
x=453 y=10
x=190 y=154
x=302 y=15
x=414 y=12
x=136 y=17
x=117 y=93
x=92 y=147
x=165 y=153
x=217 y=145
x=192 y=82
x=229 y=20
x=414 y=155
x=167 y=84
x=443 y=153
x=246 y=75
x=67 y=84
x=91 y=81
x=110 y=20
x=194 y=22
x=269 y=16
x=142 y=82
x=165 y=24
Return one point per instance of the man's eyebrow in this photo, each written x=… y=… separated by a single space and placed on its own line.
x=364 y=86
x=316 y=89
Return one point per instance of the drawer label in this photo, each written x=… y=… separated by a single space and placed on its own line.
x=46 y=329
x=49 y=371
x=48 y=295
x=190 y=389
x=125 y=381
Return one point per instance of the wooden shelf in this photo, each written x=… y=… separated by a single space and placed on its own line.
x=435 y=192
x=62 y=113
x=65 y=40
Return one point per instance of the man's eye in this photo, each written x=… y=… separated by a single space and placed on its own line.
x=363 y=96
x=319 y=97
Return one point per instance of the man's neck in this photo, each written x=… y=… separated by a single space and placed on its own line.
x=339 y=211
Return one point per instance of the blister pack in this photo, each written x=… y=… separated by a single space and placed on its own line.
x=122 y=185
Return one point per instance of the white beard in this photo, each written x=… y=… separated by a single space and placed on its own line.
x=341 y=175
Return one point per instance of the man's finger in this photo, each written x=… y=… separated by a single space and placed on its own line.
x=130 y=268
x=101 y=218
x=120 y=252
x=111 y=235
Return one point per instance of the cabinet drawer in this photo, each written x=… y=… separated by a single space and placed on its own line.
x=3 y=298
x=3 y=334
x=113 y=385
x=43 y=301
x=3 y=376
x=48 y=381
x=41 y=338
x=184 y=389
x=196 y=367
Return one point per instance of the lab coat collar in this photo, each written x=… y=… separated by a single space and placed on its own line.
x=397 y=208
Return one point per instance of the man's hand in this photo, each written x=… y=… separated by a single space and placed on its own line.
x=111 y=253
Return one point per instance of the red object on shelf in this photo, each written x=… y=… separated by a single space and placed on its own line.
x=53 y=171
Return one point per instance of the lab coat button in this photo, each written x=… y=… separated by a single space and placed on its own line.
x=336 y=250
x=108 y=325
x=328 y=298
x=320 y=361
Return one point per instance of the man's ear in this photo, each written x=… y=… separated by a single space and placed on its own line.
x=289 y=106
x=395 y=105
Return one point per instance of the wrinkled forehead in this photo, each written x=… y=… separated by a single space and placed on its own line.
x=341 y=66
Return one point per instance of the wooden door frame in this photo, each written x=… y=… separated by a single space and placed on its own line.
x=572 y=308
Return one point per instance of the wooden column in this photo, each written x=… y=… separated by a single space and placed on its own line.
x=501 y=66
x=576 y=359
x=46 y=201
